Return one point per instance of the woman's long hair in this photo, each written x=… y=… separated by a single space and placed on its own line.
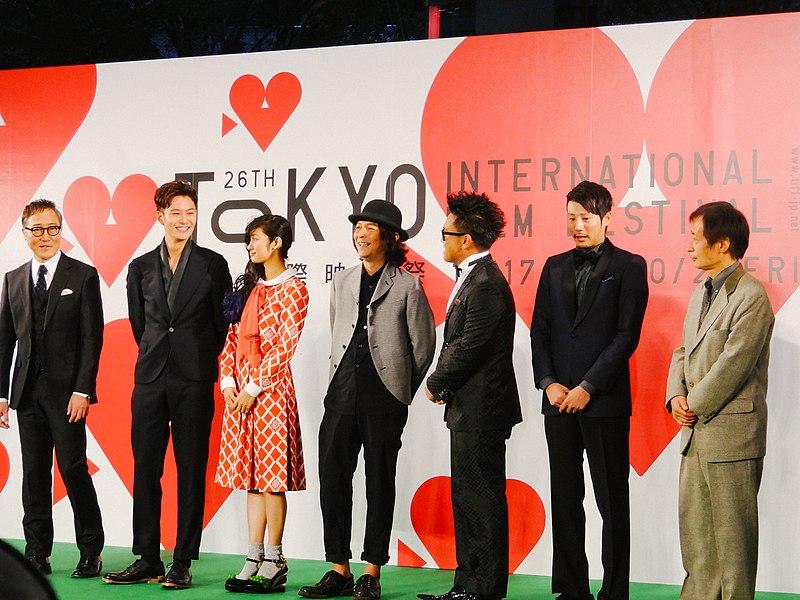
x=272 y=226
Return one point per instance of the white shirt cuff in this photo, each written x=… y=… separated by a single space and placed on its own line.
x=253 y=389
x=227 y=382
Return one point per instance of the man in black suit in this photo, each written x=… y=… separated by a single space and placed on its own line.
x=51 y=311
x=586 y=324
x=175 y=309
x=474 y=379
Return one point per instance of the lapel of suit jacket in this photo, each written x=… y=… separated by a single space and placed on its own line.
x=593 y=283
x=19 y=295
x=60 y=278
x=193 y=274
x=384 y=283
x=716 y=308
x=480 y=264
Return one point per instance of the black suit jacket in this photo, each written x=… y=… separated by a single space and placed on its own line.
x=475 y=371
x=595 y=340
x=194 y=332
x=73 y=331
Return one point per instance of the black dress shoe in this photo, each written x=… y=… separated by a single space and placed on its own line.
x=41 y=564
x=88 y=566
x=140 y=571
x=179 y=577
x=456 y=593
x=331 y=585
x=367 y=588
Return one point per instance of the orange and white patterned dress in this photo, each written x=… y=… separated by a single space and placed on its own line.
x=263 y=449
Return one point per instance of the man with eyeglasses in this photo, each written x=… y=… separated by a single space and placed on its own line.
x=52 y=312
x=474 y=380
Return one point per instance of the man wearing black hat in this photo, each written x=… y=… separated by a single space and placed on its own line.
x=382 y=342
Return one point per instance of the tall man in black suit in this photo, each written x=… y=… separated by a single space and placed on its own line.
x=175 y=309
x=586 y=324
x=474 y=378
x=52 y=312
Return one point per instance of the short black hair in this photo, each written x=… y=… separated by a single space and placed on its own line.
x=723 y=221
x=478 y=216
x=592 y=196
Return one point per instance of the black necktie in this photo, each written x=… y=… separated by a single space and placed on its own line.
x=41 y=283
x=706 y=301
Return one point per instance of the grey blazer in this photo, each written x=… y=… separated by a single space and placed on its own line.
x=722 y=370
x=400 y=327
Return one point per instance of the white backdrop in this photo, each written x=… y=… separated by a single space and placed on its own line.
x=656 y=107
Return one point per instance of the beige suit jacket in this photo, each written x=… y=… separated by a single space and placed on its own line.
x=721 y=368
x=400 y=327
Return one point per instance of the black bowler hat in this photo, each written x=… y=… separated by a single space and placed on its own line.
x=383 y=213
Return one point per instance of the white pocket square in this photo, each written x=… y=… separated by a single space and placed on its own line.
x=66 y=292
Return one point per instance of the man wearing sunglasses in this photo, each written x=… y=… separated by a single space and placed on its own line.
x=51 y=311
x=474 y=380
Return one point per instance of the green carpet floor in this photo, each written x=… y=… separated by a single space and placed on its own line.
x=399 y=583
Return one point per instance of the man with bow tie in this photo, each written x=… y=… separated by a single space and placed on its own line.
x=51 y=311
x=474 y=380
x=587 y=318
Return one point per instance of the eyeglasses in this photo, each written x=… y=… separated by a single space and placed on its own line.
x=453 y=233
x=52 y=230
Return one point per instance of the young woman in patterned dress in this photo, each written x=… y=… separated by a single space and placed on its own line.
x=260 y=446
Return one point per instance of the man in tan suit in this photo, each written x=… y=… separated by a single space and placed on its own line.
x=716 y=391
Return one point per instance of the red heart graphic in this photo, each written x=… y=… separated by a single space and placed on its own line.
x=432 y=518
x=40 y=111
x=549 y=119
x=5 y=466
x=110 y=423
x=264 y=110
x=89 y=208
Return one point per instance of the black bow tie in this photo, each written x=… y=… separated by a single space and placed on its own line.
x=585 y=256
x=458 y=271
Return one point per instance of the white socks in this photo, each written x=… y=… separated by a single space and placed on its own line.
x=255 y=554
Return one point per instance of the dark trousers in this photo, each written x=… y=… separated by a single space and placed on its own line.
x=171 y=402
x=340 y=440
x=605 y=441
x=480 y=510
x=43 y=425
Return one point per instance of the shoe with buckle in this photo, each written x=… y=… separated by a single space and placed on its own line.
x=368 y=587
x=331 y=585
x=258 y=584
x=233 y=583
x=179 y=576
x=141 y=571
x=41 y=564
x=88 y=566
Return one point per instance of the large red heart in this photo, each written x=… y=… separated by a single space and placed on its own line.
x=110 y=229
x=40 y=111
x=110 y=423
x=262 y=109
x=432 y=518
x=572 y=94
x=5 y=466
